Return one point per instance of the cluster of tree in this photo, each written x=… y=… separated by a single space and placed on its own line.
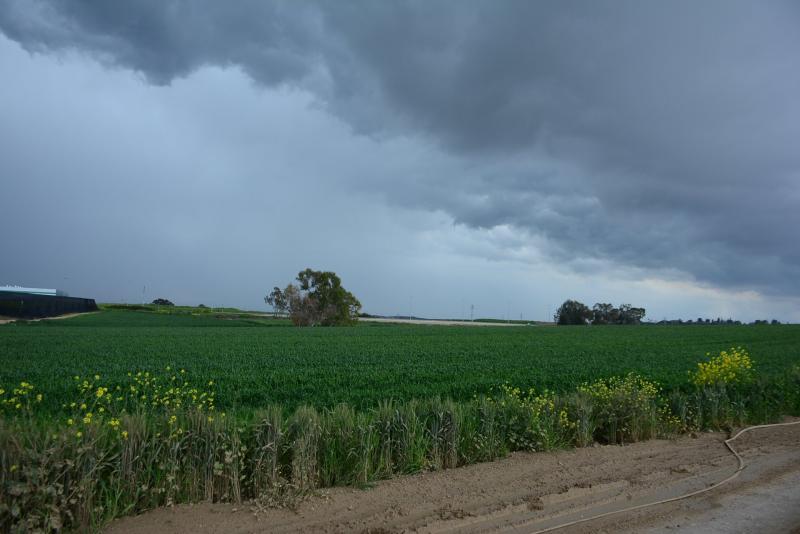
x=163 y=302
x=318 y=299
x=574 y=312
x=764 y=321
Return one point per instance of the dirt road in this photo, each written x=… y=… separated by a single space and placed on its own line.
x=5 y=320
x=440 y=322
x=527 y=492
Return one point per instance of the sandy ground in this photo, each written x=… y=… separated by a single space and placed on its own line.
x=528 y=492
x=770 y=507
x=4 y=320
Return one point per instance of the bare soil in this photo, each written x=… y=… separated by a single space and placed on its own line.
x=528 y=492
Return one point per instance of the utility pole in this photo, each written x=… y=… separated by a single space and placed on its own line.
x=471 y=312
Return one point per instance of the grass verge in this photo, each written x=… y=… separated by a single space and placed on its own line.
x=161 y=441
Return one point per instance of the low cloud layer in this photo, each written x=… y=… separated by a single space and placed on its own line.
x=648 y=136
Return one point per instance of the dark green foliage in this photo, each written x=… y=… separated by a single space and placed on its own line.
x=604 y=313
x=162 y=302
x=572 y=312
x=336 y=305
x=277 y=300
x=318 y=300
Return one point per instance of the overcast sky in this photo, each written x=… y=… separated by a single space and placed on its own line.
x=436 y=155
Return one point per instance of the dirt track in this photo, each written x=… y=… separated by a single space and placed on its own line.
x=5 y=320
x=529 y=492
x=439 y=322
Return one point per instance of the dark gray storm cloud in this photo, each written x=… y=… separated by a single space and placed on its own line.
x=658 y=135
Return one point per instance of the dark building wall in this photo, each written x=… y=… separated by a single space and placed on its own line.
x=24 y=305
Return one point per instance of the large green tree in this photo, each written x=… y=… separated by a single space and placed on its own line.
x=319 y=299
x=604 y=313
x=572 y=312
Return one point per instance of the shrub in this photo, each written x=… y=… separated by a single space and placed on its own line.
x=530 y=421
x=730 y=367
x=581 y=418
x=625 y=408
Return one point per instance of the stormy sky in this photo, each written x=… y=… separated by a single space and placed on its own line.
x=436 y=155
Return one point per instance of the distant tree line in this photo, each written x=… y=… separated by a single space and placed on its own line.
x=717 y=321
x=573 y=312
x=318 y=299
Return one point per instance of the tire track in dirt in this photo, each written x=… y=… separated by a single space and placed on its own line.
x=522 y=493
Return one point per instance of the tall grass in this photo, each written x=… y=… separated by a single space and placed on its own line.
x=53 y=476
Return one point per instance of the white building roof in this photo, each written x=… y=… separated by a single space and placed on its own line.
x=29 y=290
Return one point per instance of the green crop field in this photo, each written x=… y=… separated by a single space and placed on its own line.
x=119 y=444
x=254 y=362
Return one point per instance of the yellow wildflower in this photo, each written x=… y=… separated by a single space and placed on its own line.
x=729 y=367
